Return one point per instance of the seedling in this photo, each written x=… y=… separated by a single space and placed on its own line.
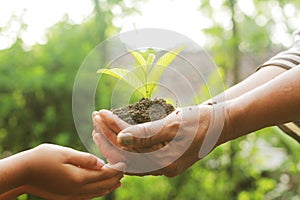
x=144 y=78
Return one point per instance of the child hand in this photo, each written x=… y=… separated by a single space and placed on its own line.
x=56 y=172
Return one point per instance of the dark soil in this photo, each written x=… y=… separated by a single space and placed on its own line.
x=145 y=110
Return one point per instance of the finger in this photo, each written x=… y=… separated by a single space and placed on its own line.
x=166 y=171
x=113 y=121
x=36 y=191
x=102 y=187
x=12 y=194
x=110 y=175
x=94 y=113
x=98 y=194
x=103 y=192
x=150 y=133
x=116 y=186
x=85 y=160
x=153 y=173
x=96 y=123
x=178 y=166
x=93 y=133
x=110 y=152
x=108 y=132
x=120 y=166
x=105 y=173
x=181 y=160
x=85 y=176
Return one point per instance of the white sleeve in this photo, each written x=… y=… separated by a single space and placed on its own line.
x=286 y=59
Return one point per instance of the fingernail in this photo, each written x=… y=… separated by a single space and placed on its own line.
x=97 y=118
x=120 y=166
x=125 y=139
x=95 y=113
x=104 y=112
x=100 y=162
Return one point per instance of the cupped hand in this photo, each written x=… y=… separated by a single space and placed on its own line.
x=55 y=172
x=167 y=146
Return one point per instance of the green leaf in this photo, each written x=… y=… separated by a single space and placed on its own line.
x=150 y=60
x=160 y=67
x=141 y=70
x=140 y=59
x=127 y=76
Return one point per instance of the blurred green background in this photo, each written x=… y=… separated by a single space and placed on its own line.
x=36 y=84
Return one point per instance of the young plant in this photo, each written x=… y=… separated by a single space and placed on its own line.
x=144 y=78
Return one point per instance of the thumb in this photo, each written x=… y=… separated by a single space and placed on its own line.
x=86 y=160
x=148 y=134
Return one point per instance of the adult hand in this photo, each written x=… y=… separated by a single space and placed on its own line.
x=174 y=142
x=12 y=194
x=55 y=172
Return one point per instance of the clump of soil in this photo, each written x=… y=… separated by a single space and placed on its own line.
x=145 y=110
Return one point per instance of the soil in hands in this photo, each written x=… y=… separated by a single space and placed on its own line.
x=145 y=110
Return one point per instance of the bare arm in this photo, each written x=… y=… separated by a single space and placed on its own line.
x=268 y=97
x=255 y=80
x=11 y=172
x=275 y=66
x=273 y=103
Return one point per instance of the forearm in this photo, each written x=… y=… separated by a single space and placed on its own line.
x=255 y=80
x=272 y=103
x=12 y=171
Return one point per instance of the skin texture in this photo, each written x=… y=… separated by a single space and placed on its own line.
x=182 y=121
x=56 y=172
x=269 y=97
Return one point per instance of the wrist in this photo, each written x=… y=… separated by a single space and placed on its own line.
x=237 y=122
x=231 y=116
x=29 y=164
x=211 y=123
x=23 y=162
x=12 y=172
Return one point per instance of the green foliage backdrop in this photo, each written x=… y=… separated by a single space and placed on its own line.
x=35 y=107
